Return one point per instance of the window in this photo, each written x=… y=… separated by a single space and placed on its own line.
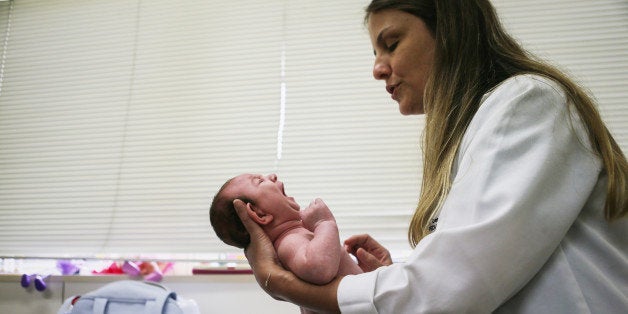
x=119 y=120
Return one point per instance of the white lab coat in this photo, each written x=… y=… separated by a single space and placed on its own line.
x=522 y=229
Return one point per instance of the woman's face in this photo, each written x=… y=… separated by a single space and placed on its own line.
x=404 y=55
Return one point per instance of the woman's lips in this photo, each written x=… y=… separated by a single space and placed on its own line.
x=392 y=89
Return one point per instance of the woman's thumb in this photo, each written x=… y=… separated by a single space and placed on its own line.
x=367 y=261
x=241 y=210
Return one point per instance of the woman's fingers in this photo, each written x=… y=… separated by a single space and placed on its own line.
x=251 y=226
x=364 y=241
x=370 y=253
x=367 y=261
x=260 y=252
x=354 y=242
x=259 y=239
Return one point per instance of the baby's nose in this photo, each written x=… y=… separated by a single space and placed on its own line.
x=272 y=177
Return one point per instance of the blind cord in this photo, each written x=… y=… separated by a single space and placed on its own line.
x=123 y=143
x=5 y=45
x=282 y=100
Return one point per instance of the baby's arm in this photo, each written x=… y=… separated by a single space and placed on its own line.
x=314 y=258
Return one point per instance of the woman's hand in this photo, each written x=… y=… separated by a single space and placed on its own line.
x=260 y=253
x=370 y=254
x=277 y=281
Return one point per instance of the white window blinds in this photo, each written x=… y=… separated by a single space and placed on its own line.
x=119 y=120
x=588 y=40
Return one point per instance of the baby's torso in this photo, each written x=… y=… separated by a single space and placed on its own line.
x=293 y=239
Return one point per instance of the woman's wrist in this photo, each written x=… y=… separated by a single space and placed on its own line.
x=284 y=285
x=275 y=281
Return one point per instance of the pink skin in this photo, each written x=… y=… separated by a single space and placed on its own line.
x=307 y=241
x=404 y=56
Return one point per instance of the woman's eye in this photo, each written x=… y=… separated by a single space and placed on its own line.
x=392 y=47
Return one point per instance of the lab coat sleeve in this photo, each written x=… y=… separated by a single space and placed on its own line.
x=523 y=172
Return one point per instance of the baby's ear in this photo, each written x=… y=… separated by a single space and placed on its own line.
x=258 y=215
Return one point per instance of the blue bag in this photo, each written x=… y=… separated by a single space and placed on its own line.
x=125 y=297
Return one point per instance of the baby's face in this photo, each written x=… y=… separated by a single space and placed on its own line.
x=267 y=193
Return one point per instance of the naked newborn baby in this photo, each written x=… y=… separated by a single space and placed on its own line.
x=306 y=241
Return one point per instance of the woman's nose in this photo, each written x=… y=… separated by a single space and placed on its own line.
x=272 y=177
x=381 y=70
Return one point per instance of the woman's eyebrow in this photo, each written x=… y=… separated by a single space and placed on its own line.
x=380 y=38
x=382 y=33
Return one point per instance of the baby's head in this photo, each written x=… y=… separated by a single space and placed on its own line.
x=225 y=220
x=267 y=205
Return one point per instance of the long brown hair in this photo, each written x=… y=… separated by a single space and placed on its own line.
x=474 y=54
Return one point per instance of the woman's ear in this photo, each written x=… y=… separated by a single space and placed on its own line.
x=258 y=215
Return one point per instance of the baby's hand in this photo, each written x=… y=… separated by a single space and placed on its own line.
x=316 y=213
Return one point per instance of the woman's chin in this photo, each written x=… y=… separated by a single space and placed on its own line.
x=405 y=110
x=408 y=110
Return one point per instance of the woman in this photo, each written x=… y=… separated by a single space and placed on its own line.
x=523 y=200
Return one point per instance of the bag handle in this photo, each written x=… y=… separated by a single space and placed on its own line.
x=157 y=305
x=100 y=304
